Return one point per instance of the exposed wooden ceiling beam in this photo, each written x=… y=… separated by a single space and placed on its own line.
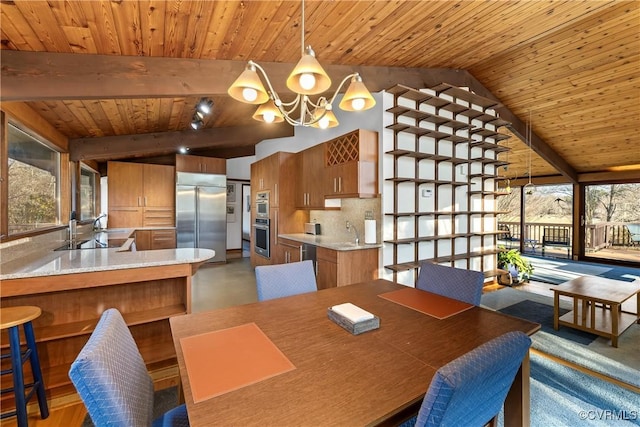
x=519 y=128
x=115 y=147
x=28 y=76
x=32 y=76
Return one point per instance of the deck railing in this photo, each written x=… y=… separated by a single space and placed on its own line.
x=598 y=236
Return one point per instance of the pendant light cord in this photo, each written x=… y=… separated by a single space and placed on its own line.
x=302 y=37
x=529 y=138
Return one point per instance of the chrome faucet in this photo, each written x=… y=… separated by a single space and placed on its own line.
x=355 y=230
x=95 y=221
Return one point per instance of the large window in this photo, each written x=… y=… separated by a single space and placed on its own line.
x=612 y=222
x=34 y=182
x=87 y=193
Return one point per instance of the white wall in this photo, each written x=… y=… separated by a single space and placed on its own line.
x=234 y=221
x=238 y=169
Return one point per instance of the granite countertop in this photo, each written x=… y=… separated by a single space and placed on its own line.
x=329 y=242
x=105 y=259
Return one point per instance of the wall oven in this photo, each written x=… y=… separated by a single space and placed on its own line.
x=262 y=204
x=261 y=237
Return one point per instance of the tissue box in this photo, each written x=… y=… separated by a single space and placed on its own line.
x=354 y=328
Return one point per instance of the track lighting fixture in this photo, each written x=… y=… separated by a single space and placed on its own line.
x=196 y=122
x=205 y=106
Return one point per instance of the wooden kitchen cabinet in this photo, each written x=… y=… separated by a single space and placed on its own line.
x=309 y=188
x=352 y=179
x=265 y=176
x=288 y=251
x=341 y=268
x=125 y=184
x=276 y=174
x=141 y=195
x=351 y=165
x=200 y=164
x=155 y=239
x=159 y=186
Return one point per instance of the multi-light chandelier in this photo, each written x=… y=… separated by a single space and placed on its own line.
x=307 y=78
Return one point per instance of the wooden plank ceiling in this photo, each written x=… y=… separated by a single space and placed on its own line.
x=572 y=66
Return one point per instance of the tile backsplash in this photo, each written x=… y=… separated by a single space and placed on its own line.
x=333 y=222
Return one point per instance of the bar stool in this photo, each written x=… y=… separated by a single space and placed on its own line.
x=11 y=318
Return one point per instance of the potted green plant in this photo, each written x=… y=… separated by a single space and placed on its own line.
x=519 y=268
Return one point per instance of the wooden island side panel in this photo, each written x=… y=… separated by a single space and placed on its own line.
x=73 y=303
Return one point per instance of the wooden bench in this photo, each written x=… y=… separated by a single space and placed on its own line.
x=556 y=237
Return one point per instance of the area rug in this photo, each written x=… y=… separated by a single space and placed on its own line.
x=622 y=363
x=562 y=396
x=543 y=314
x=557 y=271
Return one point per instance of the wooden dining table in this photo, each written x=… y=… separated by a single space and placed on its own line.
x=340 y=379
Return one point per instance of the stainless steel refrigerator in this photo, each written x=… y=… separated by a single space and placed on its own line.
x=201 y=217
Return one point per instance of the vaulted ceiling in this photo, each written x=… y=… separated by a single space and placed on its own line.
x=107 y=73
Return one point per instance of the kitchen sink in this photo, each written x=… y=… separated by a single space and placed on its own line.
x=85 y=244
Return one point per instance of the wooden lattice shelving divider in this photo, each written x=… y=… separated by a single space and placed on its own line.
x=460 y=119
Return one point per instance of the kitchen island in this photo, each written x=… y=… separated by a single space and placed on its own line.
x=74 y=287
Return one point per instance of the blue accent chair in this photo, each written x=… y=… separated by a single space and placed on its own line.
x=283 y=280
x=112 y=379
x=456 y=283
x=470 y=390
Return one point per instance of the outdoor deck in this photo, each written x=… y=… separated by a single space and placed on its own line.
x=606 y=241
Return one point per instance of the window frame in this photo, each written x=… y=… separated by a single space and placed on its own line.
x=7 y=123
x=84 y=168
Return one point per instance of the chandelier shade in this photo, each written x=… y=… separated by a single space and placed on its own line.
x=248 y=87
x=357 y=97
x=325 y=119
x=268 y=113
x=308 y=77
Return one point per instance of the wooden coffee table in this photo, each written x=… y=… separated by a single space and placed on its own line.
x=596 y=306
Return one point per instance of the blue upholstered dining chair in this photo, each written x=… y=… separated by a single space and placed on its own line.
x=456 y=283
x=112 y=379
x=282 y=280
x=470 y=390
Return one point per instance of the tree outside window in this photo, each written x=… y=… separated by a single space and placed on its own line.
x=33 y=181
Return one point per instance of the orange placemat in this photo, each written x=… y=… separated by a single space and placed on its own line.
x=222 y=361
x=425 y=302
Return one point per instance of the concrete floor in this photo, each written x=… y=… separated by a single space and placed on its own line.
x=234 y=283
x=223 y=285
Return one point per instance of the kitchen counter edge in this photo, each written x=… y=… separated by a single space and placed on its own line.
x=328 y=242
x=94 y=260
